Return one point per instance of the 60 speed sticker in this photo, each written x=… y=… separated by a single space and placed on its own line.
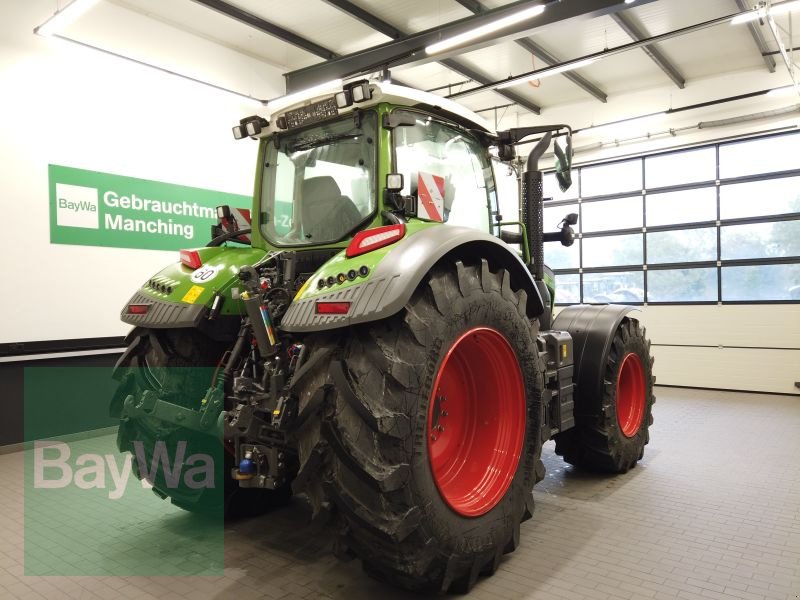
x=205 y=274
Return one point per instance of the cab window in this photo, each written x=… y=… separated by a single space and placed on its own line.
x=447 y=171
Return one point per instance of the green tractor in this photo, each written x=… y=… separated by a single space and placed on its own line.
x=379 y=344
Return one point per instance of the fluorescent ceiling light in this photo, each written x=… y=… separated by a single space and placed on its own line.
x=761 y=12
x=66 y=16
x=787 y=90
x=484 y=30
x=206 y=84
x=625 y=123
x=72 y=11
x=548 y=72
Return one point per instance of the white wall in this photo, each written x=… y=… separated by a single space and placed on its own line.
x=67 y=105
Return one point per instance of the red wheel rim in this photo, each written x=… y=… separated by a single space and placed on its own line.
x=476 y=422
x=630 y=395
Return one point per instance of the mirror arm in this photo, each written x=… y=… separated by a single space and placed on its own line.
x=518 y=134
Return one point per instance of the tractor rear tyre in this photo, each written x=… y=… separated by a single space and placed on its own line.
x=164 y=361
x=424 y=431
x=609 y=436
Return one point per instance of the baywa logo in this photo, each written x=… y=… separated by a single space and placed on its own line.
x=52 y=468
x=77 y=206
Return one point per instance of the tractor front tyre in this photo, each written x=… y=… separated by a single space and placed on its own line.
x=610 y=435
x=424 y=431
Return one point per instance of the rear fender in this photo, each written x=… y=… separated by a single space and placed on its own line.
x=180 y=297
x=592 y=328
x=395 y=278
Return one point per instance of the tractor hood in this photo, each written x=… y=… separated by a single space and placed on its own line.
x=183 y=296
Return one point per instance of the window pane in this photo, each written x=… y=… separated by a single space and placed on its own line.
x=557 y=256
x=615 y=178
x=319 y=183
x=760 y=240
x=761 y=282
x=768 y=197
x=551 y=189
x=623 y=213
x=553 y=215
x=767 y=155
x=613 y=287
x=682 y=285
x=568 y=289
x=681 y=167
x=687 y=245
x=447 y=171
x=612 y=250
x=688 y=206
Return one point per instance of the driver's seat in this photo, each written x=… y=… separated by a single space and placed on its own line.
x=327 y=215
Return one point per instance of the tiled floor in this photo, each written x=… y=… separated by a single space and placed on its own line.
x=713 y=512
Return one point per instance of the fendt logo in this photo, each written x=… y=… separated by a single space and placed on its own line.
x=77 y=206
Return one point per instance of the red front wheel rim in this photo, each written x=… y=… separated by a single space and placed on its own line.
x=630 y=395
x=476 y=422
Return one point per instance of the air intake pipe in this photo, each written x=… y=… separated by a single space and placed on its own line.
x=532 y=198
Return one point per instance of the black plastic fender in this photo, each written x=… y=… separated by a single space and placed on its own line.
x=394 y=280
x=592 y=328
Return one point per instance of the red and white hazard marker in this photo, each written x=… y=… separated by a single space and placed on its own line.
x=431 y=197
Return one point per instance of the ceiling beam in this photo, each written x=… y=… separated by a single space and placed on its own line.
x=389 y=30
x=636 y=34
x=366 y=17
x=476 y=7
x=579 y=80
x=758 y=39
x=257 y=22
x=410 y=49
x=615 y=51
x=469 y=73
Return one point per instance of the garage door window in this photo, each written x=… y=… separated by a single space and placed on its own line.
x=714 y=224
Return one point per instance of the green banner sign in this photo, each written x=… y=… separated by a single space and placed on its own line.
x=88 y=208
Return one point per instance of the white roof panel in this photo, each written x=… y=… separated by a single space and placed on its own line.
x=204 y=22
x=317 y=21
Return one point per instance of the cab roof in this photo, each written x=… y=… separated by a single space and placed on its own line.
x=381 y=92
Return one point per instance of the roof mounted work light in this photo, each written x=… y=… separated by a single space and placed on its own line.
x=344 y=99
x=250 y=127
x=358 y=91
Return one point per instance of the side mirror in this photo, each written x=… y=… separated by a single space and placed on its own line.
x=564 y=163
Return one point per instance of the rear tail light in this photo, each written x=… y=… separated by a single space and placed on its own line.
x=138 y=309
x=372 y=239
x=333 y=308
x=191 y=258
